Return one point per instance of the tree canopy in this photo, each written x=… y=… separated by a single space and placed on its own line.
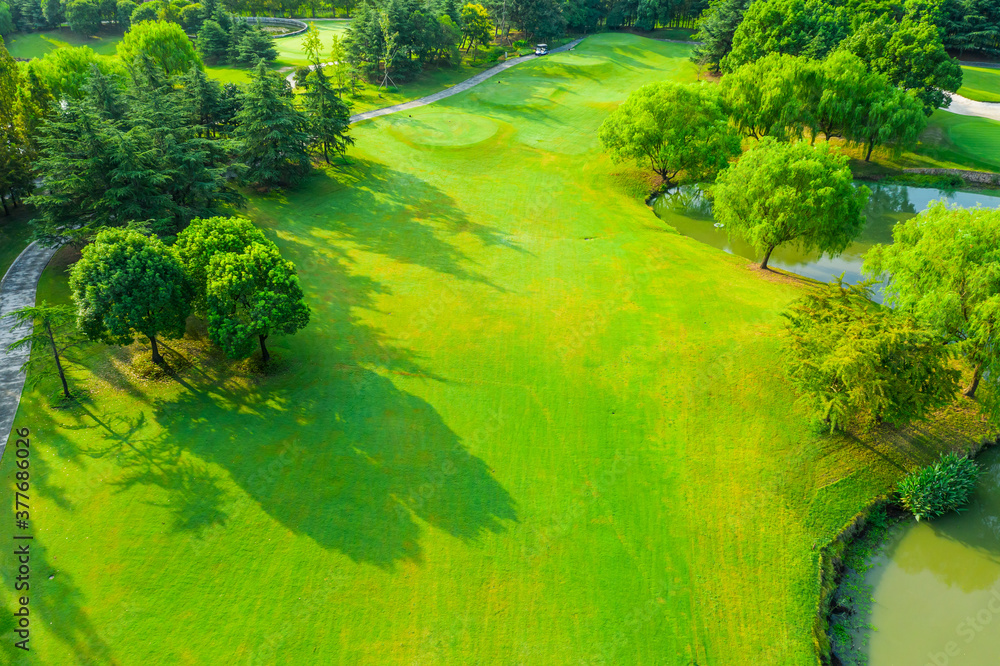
x=252 y=295
x=797 y=27
x=162 y=41
x=943 y=268
x=780 y=193
x=129 y=151
x=274 y=134
x=771 y=96
x=207 y=237
x=855 y=361
x=910 y=53
x=127 y=284
x=673 y=127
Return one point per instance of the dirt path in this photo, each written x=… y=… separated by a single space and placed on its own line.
x=17 y=290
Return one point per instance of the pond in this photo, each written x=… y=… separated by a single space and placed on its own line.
x=936 y=586
x=688 y=211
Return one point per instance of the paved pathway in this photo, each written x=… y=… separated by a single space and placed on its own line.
x=17 y=290
x=970 y=107
x=458 y=87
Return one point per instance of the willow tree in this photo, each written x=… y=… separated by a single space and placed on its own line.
x=673 y=127
x=853 y=360
x=943 y=267
x=780 y=193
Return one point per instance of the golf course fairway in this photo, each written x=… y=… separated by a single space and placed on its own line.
x=527 y=424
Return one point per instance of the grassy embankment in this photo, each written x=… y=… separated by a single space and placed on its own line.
x=528 y=423
x=981 y=84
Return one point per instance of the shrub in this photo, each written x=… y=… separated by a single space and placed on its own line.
x=939 y=488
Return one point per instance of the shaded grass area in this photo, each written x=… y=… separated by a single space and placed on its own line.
x=37 y=44
x=981 y=84
x=15 y=235
x=527 y=424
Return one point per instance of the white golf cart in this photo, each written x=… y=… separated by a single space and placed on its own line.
x=541 y=49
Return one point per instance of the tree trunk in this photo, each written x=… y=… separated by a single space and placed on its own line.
x=55 y=354
x=970 y=392
x=4 y=202
x=767 y=255
x=871 y=147
x=157 y=359
x=325 y=151
x=263 y=350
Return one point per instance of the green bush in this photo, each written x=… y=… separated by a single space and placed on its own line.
x=939 y=488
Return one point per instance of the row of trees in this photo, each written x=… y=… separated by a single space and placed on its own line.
x=227 y=39
x=788 y=96
x=129 y=283
x=152 y=139
x=905 y=46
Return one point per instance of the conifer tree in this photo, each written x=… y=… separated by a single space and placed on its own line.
x=212 y=41
x=329 y=117
x=255 y=45
x=273 y=133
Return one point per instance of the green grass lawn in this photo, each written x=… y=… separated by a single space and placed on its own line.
x=37 y=44
x=15 y=234
x=290 y=51
x=980 y=83
x=950 y=141
x=527 y=424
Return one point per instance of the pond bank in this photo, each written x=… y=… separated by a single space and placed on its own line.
x=848 y=564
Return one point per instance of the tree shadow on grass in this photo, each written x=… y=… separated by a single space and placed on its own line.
x=352 y=467
x=59 y=604
x=384 y=211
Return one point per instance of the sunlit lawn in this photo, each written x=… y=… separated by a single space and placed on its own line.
x=527 y=424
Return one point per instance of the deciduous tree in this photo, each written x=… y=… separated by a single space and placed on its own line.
x=83 y=16
x=127 y=284
x=853 y=360
x=207 y=237
x=771 y=96
x=251 y=296
x=674 y=127
x=943 y=268
x=910 y=53
x=162 y=41
x=780 y=193
x=797 y=27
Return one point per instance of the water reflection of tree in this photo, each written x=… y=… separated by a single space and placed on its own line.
x=688 y=200
x=887 y=205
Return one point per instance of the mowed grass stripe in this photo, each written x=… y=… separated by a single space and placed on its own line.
x=528 y=424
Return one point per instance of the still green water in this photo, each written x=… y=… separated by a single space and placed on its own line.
x=688 y=211
x=936 y=587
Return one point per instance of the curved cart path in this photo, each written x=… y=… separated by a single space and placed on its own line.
x=458 y=87
x=17 y=290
